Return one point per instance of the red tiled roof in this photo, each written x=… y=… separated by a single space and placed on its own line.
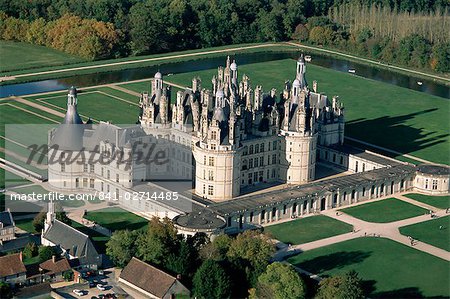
x=11 y=265
x=147 y=277
x=59 y=266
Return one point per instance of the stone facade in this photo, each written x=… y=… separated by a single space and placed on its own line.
x=241 y=136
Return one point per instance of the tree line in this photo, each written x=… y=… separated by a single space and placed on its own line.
x=227 y=267
x=97 y=29
x=414 y=40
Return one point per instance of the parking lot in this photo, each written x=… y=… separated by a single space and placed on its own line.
x=90 y=289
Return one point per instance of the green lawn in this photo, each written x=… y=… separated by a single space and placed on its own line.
x=414 y=119
x=429 y=232
x=100 y=106
x=10 y=179
x=308 y=229
x=441 y=202
x=389 y=269
x=386 y=210
x=26 y=225
x=19 y=56
x=116 y=219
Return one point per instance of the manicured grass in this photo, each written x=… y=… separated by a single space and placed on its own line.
x=26 y=225
x=10 y=179
x=99 y=106
x=31 y=260
x=441 y=202
x=414 y=119
x=386 y=210
x=389 y=269
x=429 y=232
x=19 y=56
x=116 y=219
x=308 y=229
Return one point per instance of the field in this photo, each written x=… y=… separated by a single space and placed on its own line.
x=116 y=219
x=429 y=232
x=31 y=56
x=388 y=269
x=386 y=210
x=441 y=202
x=414 y=120
x=307 y=229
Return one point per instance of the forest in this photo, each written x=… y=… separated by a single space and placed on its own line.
x=394 y=31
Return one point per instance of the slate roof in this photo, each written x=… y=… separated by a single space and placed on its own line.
x=11 y=265
x=6 y=218
x=73 y=241
x=19 y=243
x=147 y=277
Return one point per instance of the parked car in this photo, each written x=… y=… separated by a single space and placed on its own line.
x=101 y=287
x=78 y=292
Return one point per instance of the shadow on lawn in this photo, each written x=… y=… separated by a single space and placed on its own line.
x=335 y=260
x=401 y=137
x=411 y=292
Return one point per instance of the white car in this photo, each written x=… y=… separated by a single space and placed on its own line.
x=101 y=287
x=78 y=292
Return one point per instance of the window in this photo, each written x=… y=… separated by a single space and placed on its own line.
x=91 y=183
x=261 y=161
x=255 y=176
x=356 y=166
x=426 y=184
x=274 y=146
x=261 y=147
x=274 y=159
x=435 y=184
x=214 y=135
x=117 y=178
x=334 y=158
x=211 y=161
x=204 y=160
x=63 y=167
x=268 y=159
x=364 y=167
x=102 y=186
x=213 y=147
x=256 y=148
x=250 y=163
x=77 y=182
x=342 y=160
x=251 y=149
x=204 y=189
x=103 y=172
x=85 y=182
x=85 y=168
x=211 y=175
x=108 y=174
x=92 y=168
x=210 y=190
x=256 y=162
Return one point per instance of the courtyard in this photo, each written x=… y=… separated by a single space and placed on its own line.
x=383 y=211
x=440 y=202
x=307 y=229
x=389 y=269
x=435 y=232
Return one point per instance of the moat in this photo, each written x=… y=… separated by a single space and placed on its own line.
x=428 y=86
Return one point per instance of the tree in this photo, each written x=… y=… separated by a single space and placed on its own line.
x=301 y=33
x=251 y=251
x=158 y=242
x=280 y=281
x=46 y=253
x=321 y=35
x=122 y=246
x=347 y=286
x=217 y=249
x=38 y=221
x=440 y=61
x=211 y=281
x=184 y=260
x=30 y=250
x=5 y=290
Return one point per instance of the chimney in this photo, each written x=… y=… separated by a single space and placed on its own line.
x=21 y=256
x=54 y=259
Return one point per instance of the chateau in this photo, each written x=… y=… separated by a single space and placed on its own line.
x=222 y=144
x=241 y=136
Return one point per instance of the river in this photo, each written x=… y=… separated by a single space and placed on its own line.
x=428 y=86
